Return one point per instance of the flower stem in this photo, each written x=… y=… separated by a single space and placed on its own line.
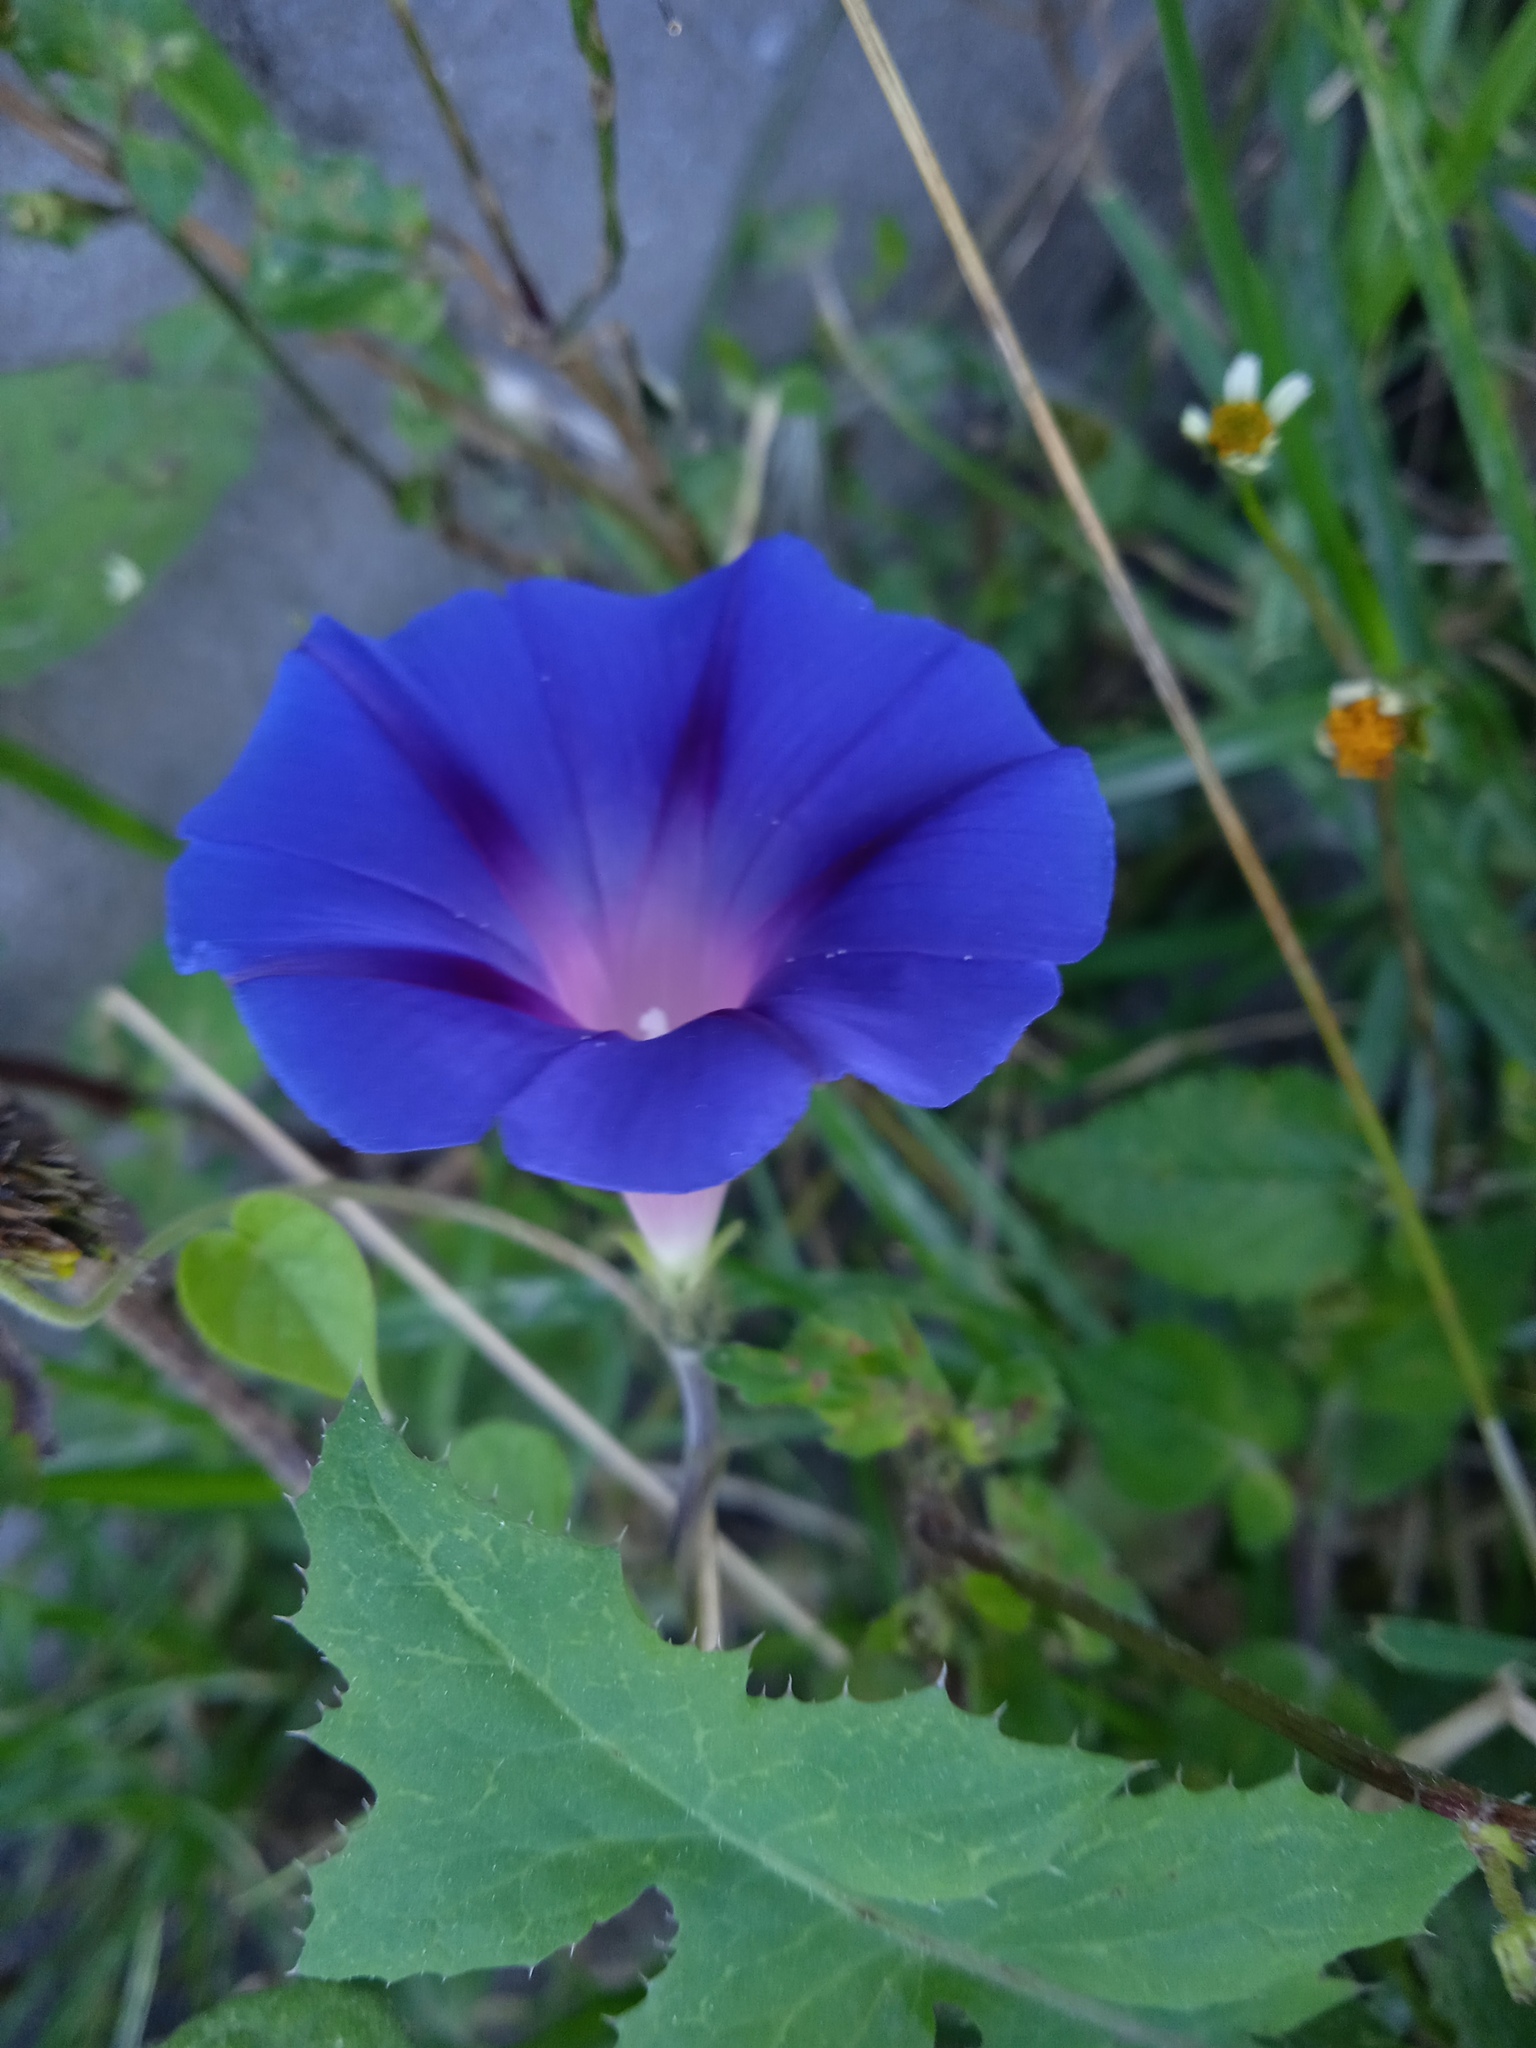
x=944 y=1530
x=1332 y=627
x=694 y=1540
x=80 y=1315
x=1513 y=1482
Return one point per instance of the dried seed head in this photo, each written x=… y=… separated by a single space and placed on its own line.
x=52 y=1213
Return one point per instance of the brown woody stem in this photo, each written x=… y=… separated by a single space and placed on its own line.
x=944 y=1530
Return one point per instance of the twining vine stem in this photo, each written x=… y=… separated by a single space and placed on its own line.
x=945 y=1531
x=1512 y=1480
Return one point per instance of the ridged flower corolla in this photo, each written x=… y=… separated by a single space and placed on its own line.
x=626 y=876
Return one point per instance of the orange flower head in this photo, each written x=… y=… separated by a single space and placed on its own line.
x=1365 y=727
x=1244 y=430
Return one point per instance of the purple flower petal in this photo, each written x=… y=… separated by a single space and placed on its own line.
x=390 y=1065
x=681 y=1112
x=629 y=874
x=922 y=1028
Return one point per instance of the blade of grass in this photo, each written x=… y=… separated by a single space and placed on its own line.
x=897 y=1198
x=1145 y=255
x=1251 y=308
x=1024 y=1240
x=69 y=792
x=1221 y=233
x=1385 y=277
x=1306 y=198
x=1512 y=1481
x=1426 y=238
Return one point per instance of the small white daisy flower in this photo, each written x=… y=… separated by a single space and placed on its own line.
x=121 y=579
x=1243 y=431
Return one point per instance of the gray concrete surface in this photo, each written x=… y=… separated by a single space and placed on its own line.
x=755 y=102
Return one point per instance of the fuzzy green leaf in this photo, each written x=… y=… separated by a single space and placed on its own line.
x=540 y=1757
x=1236 y=1185
x=285 y=1291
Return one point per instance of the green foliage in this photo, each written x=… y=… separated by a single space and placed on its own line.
x=1426 y=238
x=302 y=2015
x=1464 y=1983
x=872 y=1381
x=1179 y=1419
x=1262 y=1470
x=1215 y=1745
x=163 y=175
x=335 y=245
x=115 y=462
x=1477 y=948
x=523 y=1472
x=1439 y=1650
x=878 y=1858
x=1238 y=1186
x=1040 y=1529
x=285 y=1291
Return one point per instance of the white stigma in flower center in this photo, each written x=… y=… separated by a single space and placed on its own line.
x=653 y=1023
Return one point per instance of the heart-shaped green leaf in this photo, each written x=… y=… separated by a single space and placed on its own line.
x=285 y=1291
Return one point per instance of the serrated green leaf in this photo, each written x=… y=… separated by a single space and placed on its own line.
x=523 y=1470
x=112 y=463
x=301 y=2015
x=1235 y=1185
x=285 y=1291
x=540 y=1757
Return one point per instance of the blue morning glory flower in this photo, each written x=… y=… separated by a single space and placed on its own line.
x=627 y=875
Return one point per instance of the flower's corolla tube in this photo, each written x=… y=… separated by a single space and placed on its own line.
x=678 y=1229
x=1243 y=431
x=627 y=876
